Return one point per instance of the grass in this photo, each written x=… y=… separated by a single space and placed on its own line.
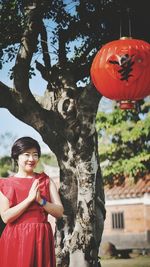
x=142 y=261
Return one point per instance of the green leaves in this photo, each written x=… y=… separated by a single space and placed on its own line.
x=10 y=30
x=124 y=142
x=5 y=166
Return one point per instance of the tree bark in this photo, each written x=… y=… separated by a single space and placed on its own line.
x=79 y=233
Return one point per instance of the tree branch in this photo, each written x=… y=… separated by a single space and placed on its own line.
x=62 y=47
x=47 y=123
x=43 y=70
x=5 y=93
x=46 y=56
x=27 y=47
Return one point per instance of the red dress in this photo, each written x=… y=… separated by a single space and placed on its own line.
x=27 y=241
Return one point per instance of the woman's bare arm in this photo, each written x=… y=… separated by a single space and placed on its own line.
x=55 y=207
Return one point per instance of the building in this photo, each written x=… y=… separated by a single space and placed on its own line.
x=127 y=224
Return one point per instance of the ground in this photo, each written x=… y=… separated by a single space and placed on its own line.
x=141 y=261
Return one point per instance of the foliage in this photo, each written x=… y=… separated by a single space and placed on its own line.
x=124 y=142
x=5 y=166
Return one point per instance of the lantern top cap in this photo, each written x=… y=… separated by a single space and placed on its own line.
x=125 y=37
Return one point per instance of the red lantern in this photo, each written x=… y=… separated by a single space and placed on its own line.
x=121 y=71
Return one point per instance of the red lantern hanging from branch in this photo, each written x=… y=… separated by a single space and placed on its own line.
x=121 y=71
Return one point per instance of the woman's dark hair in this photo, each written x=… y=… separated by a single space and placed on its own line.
x=22 y=144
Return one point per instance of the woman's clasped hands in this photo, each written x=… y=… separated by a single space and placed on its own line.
x=34 y=193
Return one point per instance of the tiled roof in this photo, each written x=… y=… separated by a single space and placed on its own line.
x=128 y=189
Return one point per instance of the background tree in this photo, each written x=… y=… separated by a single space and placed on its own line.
x=65 y=114
x=5 y=140
x=124 y=143
x=5 y=166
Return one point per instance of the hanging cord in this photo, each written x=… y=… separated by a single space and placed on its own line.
x=120 y=27
x=129 y=21
x=120 y=24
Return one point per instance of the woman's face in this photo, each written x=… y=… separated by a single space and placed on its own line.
x=28 y=160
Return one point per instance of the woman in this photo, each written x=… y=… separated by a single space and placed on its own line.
x=26 y=199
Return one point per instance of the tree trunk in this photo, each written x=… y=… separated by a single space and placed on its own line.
x=79 y=233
